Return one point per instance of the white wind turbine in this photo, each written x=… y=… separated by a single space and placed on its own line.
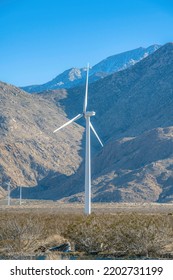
x=86 y=114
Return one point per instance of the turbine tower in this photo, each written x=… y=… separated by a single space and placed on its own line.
x=87 y=115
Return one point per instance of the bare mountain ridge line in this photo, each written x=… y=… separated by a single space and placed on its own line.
x=74 y=76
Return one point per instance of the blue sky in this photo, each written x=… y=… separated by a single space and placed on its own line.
x=39 y=39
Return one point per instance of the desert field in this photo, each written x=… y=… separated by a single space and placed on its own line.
x=78 y=208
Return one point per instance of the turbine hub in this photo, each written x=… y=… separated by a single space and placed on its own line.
x=89 y=114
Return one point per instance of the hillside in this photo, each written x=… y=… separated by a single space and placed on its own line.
x=29 y=150
x=136 y=169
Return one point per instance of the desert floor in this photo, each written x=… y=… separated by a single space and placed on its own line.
x=60 y=207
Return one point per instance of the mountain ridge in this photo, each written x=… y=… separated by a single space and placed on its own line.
x=76 y=76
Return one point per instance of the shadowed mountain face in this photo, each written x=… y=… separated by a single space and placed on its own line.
x=74 y=77
x=135 y=169
x=29 y=150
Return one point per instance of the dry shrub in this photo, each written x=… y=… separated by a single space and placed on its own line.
x=141 y=235
x=87 y=233
x=135 y=234
x=130 y=234
x=23 y=233
x=20 y=235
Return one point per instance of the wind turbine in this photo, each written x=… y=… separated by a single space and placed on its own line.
x=20 y=195
x=86 y=114
x=9 y=190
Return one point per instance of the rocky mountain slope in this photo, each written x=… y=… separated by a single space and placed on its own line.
x=136 y=169
x=29 y=150
x=140 y=168
x=75 y=76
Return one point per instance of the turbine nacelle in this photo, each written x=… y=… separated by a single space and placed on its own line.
x=89 y=114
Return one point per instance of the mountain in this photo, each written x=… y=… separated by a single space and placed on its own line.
x=135 y=120
x=133 y=117
x=75 y=76
x=69 y=78
x=29 y=150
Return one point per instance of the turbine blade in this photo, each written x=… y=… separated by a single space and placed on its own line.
x=86 y=91
x=67 y=123
x=96 y=134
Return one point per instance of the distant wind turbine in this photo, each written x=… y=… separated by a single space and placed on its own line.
x=86 y=114
x=9 y=190
x=20 y=195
